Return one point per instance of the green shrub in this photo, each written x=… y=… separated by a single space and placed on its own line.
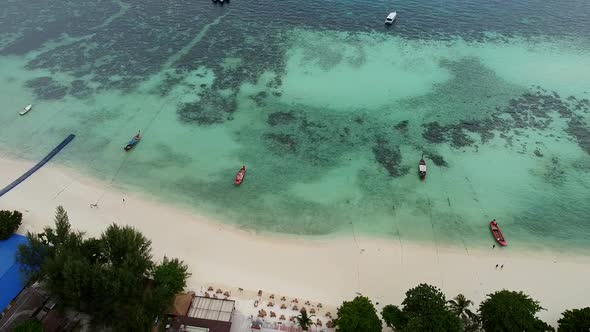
x=9 y=223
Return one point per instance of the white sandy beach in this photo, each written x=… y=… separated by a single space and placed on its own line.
x=320 y=269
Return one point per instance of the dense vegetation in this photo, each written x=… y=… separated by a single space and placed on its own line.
x=31 y=325
x=424 y=309
x=112 y=278
x=9 y=223
x=575 y=320
x=511 y=311
x=357 y=315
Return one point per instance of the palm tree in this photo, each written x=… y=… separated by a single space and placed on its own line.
x=304 y=320
x=460 y=306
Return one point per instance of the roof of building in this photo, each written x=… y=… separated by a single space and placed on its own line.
x=212 y=309
x=11 y=278
x=182 y=302
x=54 y=321
x=210 y=325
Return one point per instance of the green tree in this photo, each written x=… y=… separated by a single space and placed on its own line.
x=511 y=311
x=9 y=223
x=424 y=309
x=357 y=315
x=32 y=255
x=460 y=307
x=574 y=320
x=304 y=320
x=112 y=278
x=171 y=275
x=394 y=317
x=31 y=325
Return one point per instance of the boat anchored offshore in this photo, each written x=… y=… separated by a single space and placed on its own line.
x=497 y=233
x=240 y=176
x=390 y=18
x=26 y=109
x=133 y=142
x=422 y=168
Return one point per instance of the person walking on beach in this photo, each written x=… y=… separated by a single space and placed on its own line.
x=502 y=267
x=494 y=246
x=496 y=266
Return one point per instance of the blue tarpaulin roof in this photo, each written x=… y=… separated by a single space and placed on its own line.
x=11 y=279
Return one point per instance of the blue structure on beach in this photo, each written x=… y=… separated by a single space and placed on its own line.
x=11 y=278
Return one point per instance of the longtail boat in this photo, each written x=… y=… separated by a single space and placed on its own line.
x=240 y=176
x=497 y=233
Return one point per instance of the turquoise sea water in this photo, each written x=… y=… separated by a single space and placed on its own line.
x=329 y=110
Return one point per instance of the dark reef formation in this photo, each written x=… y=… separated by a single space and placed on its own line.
x=47 y=88
x=389 y=156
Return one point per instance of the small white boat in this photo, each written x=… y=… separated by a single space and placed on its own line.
x=26 y=109
x=390 y=18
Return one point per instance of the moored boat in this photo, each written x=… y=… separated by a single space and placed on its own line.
x=390 y=18
x=131 y=144
x=497 y=233
x=422 y=168
x=240 y=176
x=26 y=109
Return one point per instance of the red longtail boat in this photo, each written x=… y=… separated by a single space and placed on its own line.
x=497 y=233
x=240 y=176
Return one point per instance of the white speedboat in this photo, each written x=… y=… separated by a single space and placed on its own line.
x=26 y=109
x=390 y=18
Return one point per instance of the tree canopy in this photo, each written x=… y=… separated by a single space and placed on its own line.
x=511 y=311
x=574 y=320
x=30 y=325
x=424 y=309
x=9 y=223
x=357 y=315
x=112 y=278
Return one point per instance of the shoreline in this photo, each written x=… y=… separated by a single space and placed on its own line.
x=328 y=269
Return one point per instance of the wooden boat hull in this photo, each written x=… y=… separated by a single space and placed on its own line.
x=497 y=233
x=131 y=144
x=422 y=169
x=240 y=176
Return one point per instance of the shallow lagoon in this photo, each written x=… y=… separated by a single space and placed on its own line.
x=330 y=116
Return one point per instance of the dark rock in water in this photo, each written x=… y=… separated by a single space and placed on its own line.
x=283 y=142
x=435 y=133
x=437 y=159
x=459 y=139
x=281 y=118
x=389 y=156
x=259 y=98
x=203 y=85
x=538 y=153
x=47 y=88
x=579 y=130
x=402 y=126
x=277 y=94
x=80 y=89
x=211 y=109
x=200 y=114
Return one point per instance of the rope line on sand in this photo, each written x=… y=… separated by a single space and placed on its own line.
x=128 y=155
x=435 y=241
x=399 y=239
x=358 y=273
